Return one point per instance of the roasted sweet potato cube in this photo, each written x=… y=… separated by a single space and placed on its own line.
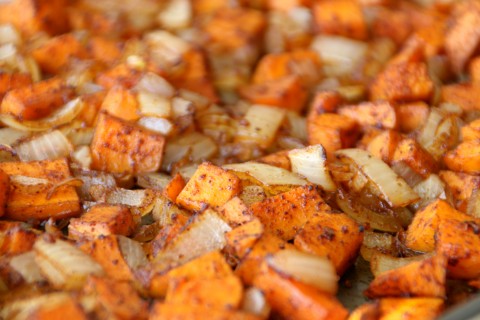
x=54 y=55
x=4 y=191
x=474 y=70
x=340 y=17
x=210 y=186
x=36 y=101
x=461 y=185
x=466 y=96
x=242 y=238
x=295 y=300
x=383 y=146
x=235 y=212
x=402 y=82
x=162 y=311
x=410 y=308
x=285 y=214
x=411 y=153
x=216 y=293
x=417 y=279
x=367 y=311
x=324 y=102
x=102 y=220
x=471 y=131
x=411 y=116
x=335 y=236
x=121 y=103
x=375 y=114
x=286 y=5
x=119 y=298
x=120 y=75
x=332 y=131
x=16 y=238
x=10 y=81
x=464 y=158
x=104 y=49
x=421 y=232
x=92 y=104
x=33 y=16
x=40 y=201
x=174 y=187
x=459 y=241
x=462 y=37
x=286 y=92
x=392 y=24
x=65 y=307
x=125 y=148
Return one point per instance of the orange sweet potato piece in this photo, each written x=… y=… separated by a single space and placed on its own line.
x=464 y=158
x=375 y=114
x=411 y=153
x=332 y=131
x=121 y=75
x=332 y=235
x=121 y=147
x=286 y=5
x=402 y=82
x=37 y=100
x=325 y=101
x=32 y=16
x=4 y=191
x=410 y=308
x=462 y=37
x=474 y=70
x=242 y=238
x=118 y=298
x=235 y=212
x=84 y=17
x=38 y=202
x=104 y=49
x=424 y=278
x=10 y=81
x=340 y=17
x=54 y=55
x=278 y=159
x=421 y=232
x=392 y=24
x=461 y=185
x=174 y=187
x=162 y=311
x=286 y=92
x=459 y=241
x=210 y=186
x=63 y=308
x=92 y=104
x=16 y=238
x=411 y=116
x=285 y=214
x=471 y=131
x=295 y=300
x=383 y=145
x=102 y=220
x=466 y=96
x=121 y=103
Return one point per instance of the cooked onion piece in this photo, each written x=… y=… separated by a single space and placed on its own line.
x=48 y=146
x=25 y=265
x=429 y=189
x=382 y=262
x=133 y=252
x=254 y=302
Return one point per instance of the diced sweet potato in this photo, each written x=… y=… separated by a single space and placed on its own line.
x=459 y=241
x=411 y=153
x=295 y=300
x=462 y=37
x=461 y=185
x=40 y=201
x=54 y=55
x=286 y=92
x=92 y=104
x=411 y=116
x=118 y=298
x=10 y=81
x=278 y=159
x=102 y=220
x=340 y=17
x=471 y=131
x=58 y=309
x=174 y=187
x=37 y=100
x=235 y=212
x=421 y=232
x=242 y=238
x=121 y=75
x=375 y=114
x=121 y=103
x=474 y=71
x=216 y=293
x=162 y=311
x=325 y=101
x=464 y=158
x=16 y=238
x=383 y=146
x=210 y=186
x=285 y=214
x=121 y=147
x=332 y=235
x=466 y=96
x=4 y=191
x=332 y=131
x=417 y=279
x=104 y=49
x=410 y=308
x=402 y=82
x=393 y=24
x=167 y=234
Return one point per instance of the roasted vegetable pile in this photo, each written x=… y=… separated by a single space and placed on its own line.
x=211 y=159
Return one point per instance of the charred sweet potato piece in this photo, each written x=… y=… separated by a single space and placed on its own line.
x=16 y=238
x=335 y=236
x=325 y=101
x=92 y=104
x=466 y=96
x=410 y=308
x=121 y=147
x=235 y=212
x=411 y=153
x=459 y=241
x=340 y=17
x=120 y=75
x=461 y=185
x=464 y=158
x=53 y=55
x=4 y=191
x=383 y=146
x=375 y=114
x=174 y=187
x=411 y=116
x=10 y=81
x=102 y=220
x=295 y=300
x=121 y=103
x=393 y=24
x=210 y=186
x=285 y=214
x=418 y=279
x=37 y=100
x=44 y=200
x=421 y=232
x=242 y=238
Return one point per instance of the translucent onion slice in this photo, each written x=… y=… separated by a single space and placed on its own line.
x=393 y=188
x=177 y=14
x=64 y=265
x=153 y=180
x=254 y=302
x=152 y=104
x=61 y=116
x=80 y=136
x=140 y=201
x=429 y=189
x=381 y=263
x=25 y=265
x=310 y=269
x=132 y=252
x=22 y=309
x=8 y=136
x=311 y=162
x=48 y=146
x=374 y=242
x=82 y=156
x=267 y=174
x=155 y=84
x=473 y=204
x=298 y=126
x=159 y=125
x=9 y=34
